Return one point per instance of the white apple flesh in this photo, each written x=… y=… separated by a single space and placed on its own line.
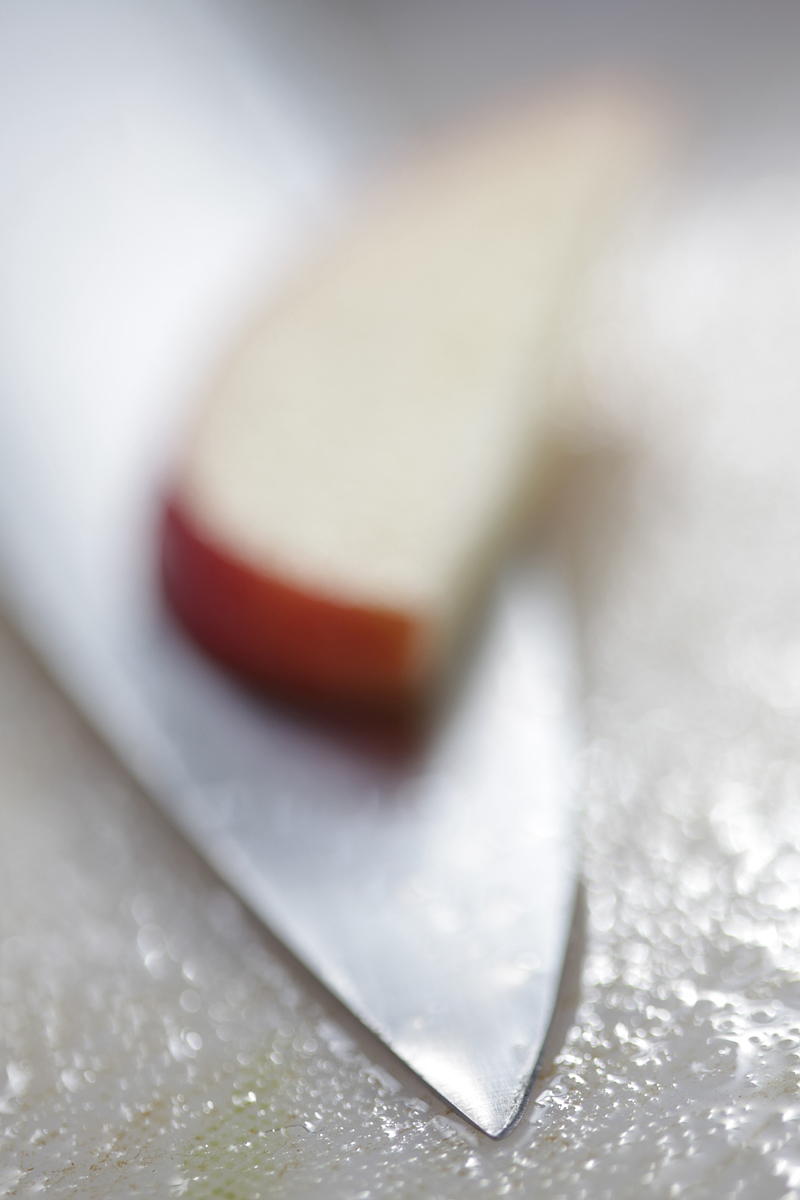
x=349 y=485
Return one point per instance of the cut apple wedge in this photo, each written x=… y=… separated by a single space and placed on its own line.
x=352 y=480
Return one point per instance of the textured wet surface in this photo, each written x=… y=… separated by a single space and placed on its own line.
x=154 y=1042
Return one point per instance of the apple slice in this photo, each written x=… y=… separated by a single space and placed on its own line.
x=351 y=482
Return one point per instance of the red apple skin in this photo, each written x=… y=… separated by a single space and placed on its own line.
x=305 y=646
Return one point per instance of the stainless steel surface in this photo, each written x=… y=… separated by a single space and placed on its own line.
x=433 y=896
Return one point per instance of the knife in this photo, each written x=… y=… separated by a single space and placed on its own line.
x=431 y=893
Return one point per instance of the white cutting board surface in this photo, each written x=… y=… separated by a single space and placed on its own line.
x=154 y=1039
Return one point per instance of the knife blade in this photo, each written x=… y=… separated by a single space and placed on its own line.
x=433 y=893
